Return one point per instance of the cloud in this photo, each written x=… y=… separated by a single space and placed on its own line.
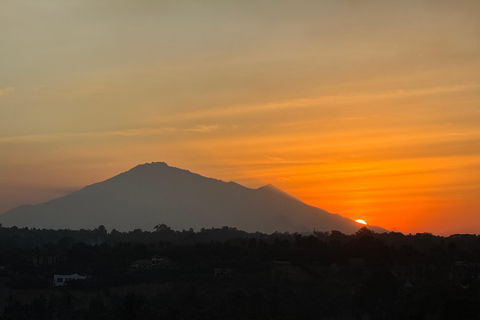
x=326 y=100
x=6 y=91
x=65 y=136
x=138 y=132
x=204 y=128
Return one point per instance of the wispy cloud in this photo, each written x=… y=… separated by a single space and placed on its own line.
x=204 y=128
x=6 y=91
x=138 y=132
x=65 y=136
x=318 y=101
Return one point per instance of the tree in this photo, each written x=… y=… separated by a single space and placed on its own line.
x=162 y=227
x=364 y=232
x=100 y=233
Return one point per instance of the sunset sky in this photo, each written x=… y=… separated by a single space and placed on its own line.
x=366 y=108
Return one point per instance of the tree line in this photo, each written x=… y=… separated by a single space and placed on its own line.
x=322 y=275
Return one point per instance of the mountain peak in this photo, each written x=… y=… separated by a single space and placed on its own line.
x=269 y=186
x=151 y=165
x=147 y=170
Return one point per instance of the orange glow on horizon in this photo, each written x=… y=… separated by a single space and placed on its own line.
x=361 y=221
x=379 y=125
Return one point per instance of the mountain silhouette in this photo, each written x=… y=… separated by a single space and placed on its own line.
x=155 y=193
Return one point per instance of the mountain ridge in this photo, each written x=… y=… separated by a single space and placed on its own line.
x=153 y=193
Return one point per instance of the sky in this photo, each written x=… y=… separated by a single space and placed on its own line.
x=365 y=108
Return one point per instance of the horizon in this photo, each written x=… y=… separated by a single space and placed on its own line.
x=361 y=223
x=368 y=110
x=155 y=192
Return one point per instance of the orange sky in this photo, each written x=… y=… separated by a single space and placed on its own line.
x=369 y=109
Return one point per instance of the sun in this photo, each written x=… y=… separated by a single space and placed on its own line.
x=361 y=221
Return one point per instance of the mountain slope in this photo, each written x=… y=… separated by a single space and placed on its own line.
x=155 y=193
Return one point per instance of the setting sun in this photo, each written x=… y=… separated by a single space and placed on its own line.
x=361 y=221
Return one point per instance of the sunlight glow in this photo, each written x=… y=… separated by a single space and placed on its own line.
x=361 y=221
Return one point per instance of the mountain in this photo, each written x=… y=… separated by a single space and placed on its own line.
x=155 y=193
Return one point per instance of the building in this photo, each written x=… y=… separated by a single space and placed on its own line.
x=42 y=260
x=155 y=262
x=159 y=261
x=60 y=280
x=142 y=264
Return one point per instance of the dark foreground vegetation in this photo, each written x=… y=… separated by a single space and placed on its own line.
x=230 y=274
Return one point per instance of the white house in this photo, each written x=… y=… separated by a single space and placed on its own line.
x=59 y=280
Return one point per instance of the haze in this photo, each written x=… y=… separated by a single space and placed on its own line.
x=369 y=109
